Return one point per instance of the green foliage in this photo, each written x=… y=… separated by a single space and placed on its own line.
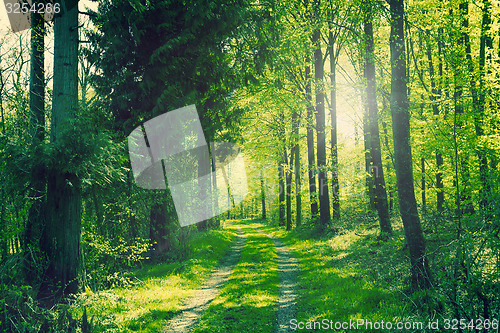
x=248 y=301
x=21 y=313
x=356 y=266
x=180 y=57
x=106 y=260
x=159 y=290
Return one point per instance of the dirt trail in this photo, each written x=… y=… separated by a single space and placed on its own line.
x=202 y=298
x=288 y=268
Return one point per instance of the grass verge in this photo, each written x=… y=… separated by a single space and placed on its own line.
x=161 y=290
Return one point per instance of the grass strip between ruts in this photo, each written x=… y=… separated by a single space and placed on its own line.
x=248 y=302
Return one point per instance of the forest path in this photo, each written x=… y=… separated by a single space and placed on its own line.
x=202 y=298
x=288 y=270
x=233 y=280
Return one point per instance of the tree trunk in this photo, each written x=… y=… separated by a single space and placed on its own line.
x=281 y=198
x=35 y=221
x=435 y=93
x=2 y=87
x=158 y=238
x=466 y=200
x=420 y=277
x=215 y=192
x=311 y=160
x=288 y=187
x=368 y=157
x=422 y=167
x=61 y=240
x=204 y=183
x=133 y=225
x=388 y=167
x=263 y=195
x=486 y=42
x=333 y=117
x=298 y=185
x=379 y=191
x=323 y=195
x=4 y=244
x=295 y=154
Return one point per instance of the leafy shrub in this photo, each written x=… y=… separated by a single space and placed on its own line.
x=105 y=259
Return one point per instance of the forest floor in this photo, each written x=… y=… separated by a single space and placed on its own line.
x=197 y=305
x=265 y=279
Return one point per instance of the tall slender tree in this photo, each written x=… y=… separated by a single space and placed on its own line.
x=313 y=196
x=420 y=274
x=380 y=194
x=295 y=155
x=368 y=155
x=335 y=41
x=61 y=239
x=323 y=193
x=35 y=221
x=486 y=44
x=263 y=195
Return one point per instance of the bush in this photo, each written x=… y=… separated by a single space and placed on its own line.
x=106 y=261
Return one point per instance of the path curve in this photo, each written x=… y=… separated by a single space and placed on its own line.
x=288 y=268
x=185 y=321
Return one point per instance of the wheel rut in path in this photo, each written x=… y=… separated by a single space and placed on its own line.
x=288 y=269
x=185 y=321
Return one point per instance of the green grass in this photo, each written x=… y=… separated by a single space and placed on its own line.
x=248 y=301
x=147 y=306
x=346 y=276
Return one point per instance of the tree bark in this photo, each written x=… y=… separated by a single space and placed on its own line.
x=281 y=198
x=35 y=221
x=388 y=166
x=466 y=204
x=323 y=194
x=132 y=222
x=158 y=230
x=379 y=191
x=61 y=240
x=295 y=154
x=333 y=117
x=311 y=160
x=263 y=195
x=422 y=169
x=368 y=157
x=486 y=42
x=215 y=191
x=288 y=188
x=420 y=274
x=435 y=111
x=204 y=183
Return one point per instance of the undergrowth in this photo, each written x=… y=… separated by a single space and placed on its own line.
x=159 y=290
x=142 y=299
x=350 y=272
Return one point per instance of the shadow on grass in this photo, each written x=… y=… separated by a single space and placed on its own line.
x=346 y=276
x=151 y=321
x=206 y=248
x=163 y=288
